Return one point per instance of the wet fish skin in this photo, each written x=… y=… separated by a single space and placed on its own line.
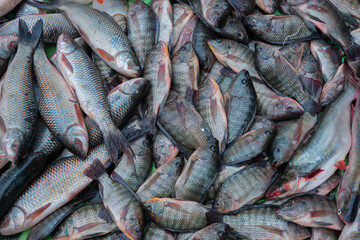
x=293 y=53
x=326 y=187
x=199 y=173
x=216 y=231
x=334 y=87
x=116 y=8
x=160 y=183
x=285 y=8
x=351 y=231
x=7 y=6
x=156 y=232
x=8 y=45
x=311 y=211
x=268 y=6
x=163 y=150
x=349 y=10
x=240 y=105
x=214 y=12
x=18 y=103
x=164 y=12
x=205 y=56
x=189 y=215
x=244 y=187
x=186 y=34
x=243 y=7
x=260 y=122
x=324 y=234
x=249 y=145
x=24 y=9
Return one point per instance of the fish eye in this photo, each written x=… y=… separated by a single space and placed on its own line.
x=253 y=22
x=14 y=146
x=183 y=48
x=213 y=148
x=205 y=59
x=277 y=150
x=245 y=7
x=244 y=81
x=294 y=47
x=217 y=204
x=258 y=49
x=339 y=211
x=148 y=208
x=177 y=164
x=267 y=133
x=278 y=105
x=13 y=45
x=138 y=230
x=220 y=233
x=239 y=35
x=218 y=40
x=217 y=5
x=228 y=46
x=289 y=109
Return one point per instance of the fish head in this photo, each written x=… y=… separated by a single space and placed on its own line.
x=282 y=188
x=185 y=54
x=219 y=229
x=127 y=64
x=77 y=140
x=281 y=151
x=65 y=44
x=266 y=134
x=13 y=221
x=268 y=6
x=132 y=87
x=14 y=144
x=158 y=53
x=264 y=51
x=220 y=47
x=7 y=46
x=296 y=2
x=121 y=21
x=154 y=206
x=348 y=204
x=208 y=87
x=174 y=167
x=216 y=11
x=133 y=226
x=257 y=23
x=207 y=152
x=309 y=65
x=241 y=84
x=293 y=209
x=235 y=30
x=224 y=204
x=287 y=107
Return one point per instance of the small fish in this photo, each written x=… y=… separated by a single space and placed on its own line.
x=163 y=149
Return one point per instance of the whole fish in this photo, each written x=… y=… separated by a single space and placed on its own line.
x=158 y=71
x=350 y=10
x=141 y=29
x=7 y=6
x=293 y=53
x=322 y=154
x=8 y=45
x=123 y=207
x=351 y=231
x=216 y=231
x=163 y=149
x=18 y=105
x=201 y=36
x=25 y=9
x=311 y=211
x=348 y=195
x=327 y=56
x=86 y=222
x=210 y=104
x=199 y=173
x=279 y=74
x=58 y=106
x=179 y=215
x=186 y=34
x=244 y=187
x=84 y=79
x=289 y=136
x=165 y=16
x=240 y=105
x=326 y=17
x=53 y=26
x=249 y=145
x=334 y=87
x=261 y=222
x=160 y=183
x=185 y=72
x=183 y=123
x=278 y=29
x=273 y=106
x=156 y=232
x=115 y=8
x=111 y=43
x=324 y=234
x=243 y=7
x=234 y=55
x=40 y=199
x=268 y=6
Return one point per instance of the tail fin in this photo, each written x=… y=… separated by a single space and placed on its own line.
x=113 y=141
x=151 y=122
x=311 y=106
x=353 y=208
x=95 y=170
x=53 y=5
x=30 y=37
x=213 y=217
x=353 y=53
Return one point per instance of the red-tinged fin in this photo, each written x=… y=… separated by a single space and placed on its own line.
x=83 y=34
x=105 y=55
x=38 y=212
x=100 y=1
x=189 y=171
x=2 y=127
x=213 y=107
x=213 y=217
x=104 y=214
x=324 y=224
x=312 y=86
x=86 y=227
x=161 y=73
x=113 y=141
x=321 y=213
x=298 y=131
x=30 y=37
x=66 y=62
x=272 y=230
x=95 y=170
x=313 y=174
x=79 y=114
x=341 y=165
x=311 y=106
x=227 y=72
x=117 y=178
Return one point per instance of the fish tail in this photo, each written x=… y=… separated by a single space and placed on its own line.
x=53 y=5
x=353 y=53
x=311 y=106
x=213 y=217
x=353 y=207
x=30 y=37
x=151 y=122
x=95 y=170
x=114 y=140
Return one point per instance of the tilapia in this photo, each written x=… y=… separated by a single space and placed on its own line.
x=334 y=87
x=243 y=7
x=156 y=232
x=268 y=6
x=216 y=231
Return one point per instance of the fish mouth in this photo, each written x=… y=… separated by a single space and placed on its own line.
x=13 y=222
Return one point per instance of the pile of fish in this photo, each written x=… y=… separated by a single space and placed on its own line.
x=192 y=119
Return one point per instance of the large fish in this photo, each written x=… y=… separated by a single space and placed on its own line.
x=115 y=8
x=111 y=43
x=8 y=45
x=18 y=104
x=165 y=16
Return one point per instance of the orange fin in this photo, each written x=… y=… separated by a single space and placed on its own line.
x=100 y=1
x=66 y=62
x=321 y=213
x=341 y=165
x=38 y=212
x=105 y=55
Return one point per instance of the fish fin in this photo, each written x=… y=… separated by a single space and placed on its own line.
x=324 y=224
x=189 y=171
x=350 y=19
x=151 y=120
x=341 y=165
x=83 y=228
x=312 y=86
x=117 y=178
x=190 y=94
x=30 y=37
x=105 y=215
x=114 y=140
x=181 y=110
x=353 y=53
x=2 y=127
x=157 y=31
x=95 y=170
x=66 y=62
x=105 y=55
x=353 y=209
x=38 y=212
x=311 y=26
x=227 y=72
x=320 y=213
x=213 y=217
x=313 y=174
x=272 y=230
x=311 y=106
x=53 y=5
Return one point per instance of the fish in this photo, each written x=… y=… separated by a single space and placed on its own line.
x=324 y=150
x=88 y=221
x=211 y=106
x=141 y=29
x=16 y=179
x=244 y=187
x=7 y=6
x=293 y=53
x=323 y=15
x=156 y=232
x=160 y=184
x=348 y=194
x=185 y=69
x=123 y=207
x=290 y=134
x=106 y=72
x=117 y=9
x=351 y=231
x=233 y=55
x=249 y=145
x=53 y=26
x=280 y=75
x=326 y=187
x=18 y=103
x=164 y=12
x=8 y=45
x=95 y=106
x=189 y=215
x=186 y=33
x=158 y=71
x=240 y=105
x=243 y=7
x=284 y=7
x=311 y=211
x=327 y=56
x=324 y=234
x=262 y=222
x=3 y=159
x=349 y=9
x=163 y=149
x=25 y=9
x=268 y=6
x=273 y=106
x=112 y=44
x=58 y=105
x=40 y=198
x=278 y=29
x=199 y=173
x=216 y=231
x=200 y=37
x=334 y=87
